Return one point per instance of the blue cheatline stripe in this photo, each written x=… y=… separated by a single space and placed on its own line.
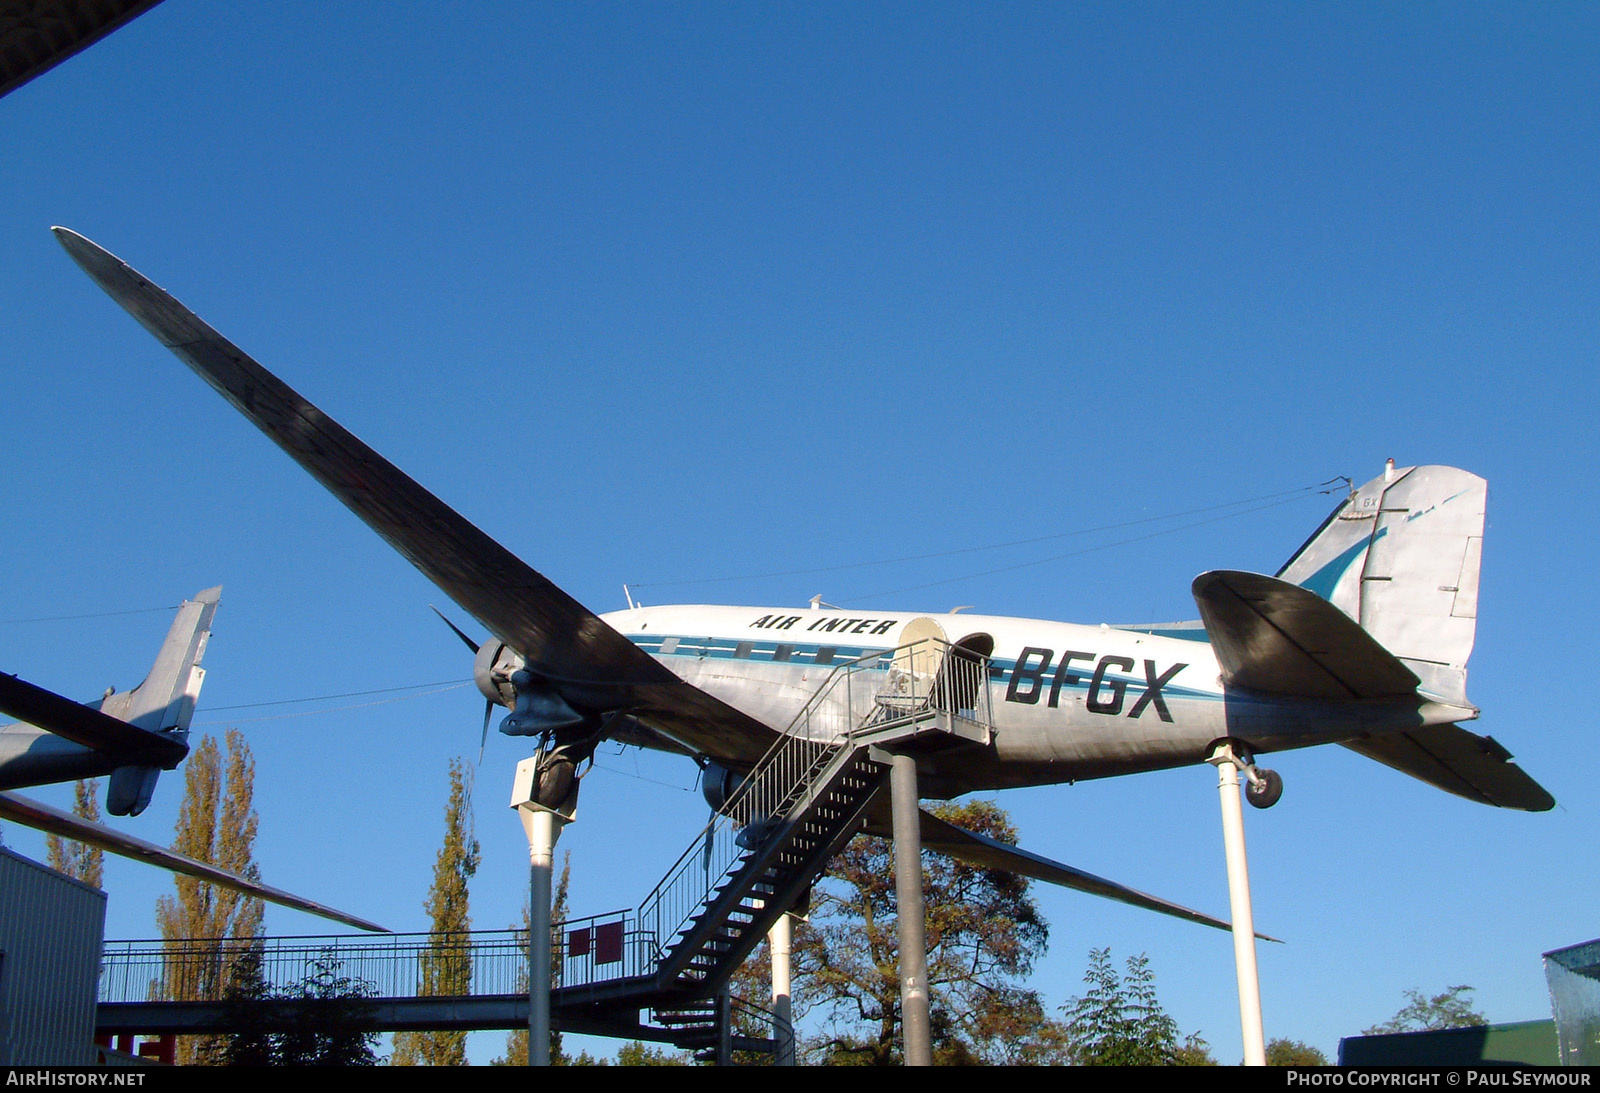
x=1187 y=633
x=708 y=648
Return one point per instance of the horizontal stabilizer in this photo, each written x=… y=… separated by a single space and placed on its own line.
x=1278 y=638
x=41 y=816
x=87 y=726
x=1455 y=760
x=987 y=853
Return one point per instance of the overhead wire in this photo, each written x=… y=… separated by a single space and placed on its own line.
x=1272 y=500
x=94 y=615
x=1071 y=553
x=437 y=688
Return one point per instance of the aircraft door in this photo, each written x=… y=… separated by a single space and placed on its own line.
x=915 y=670
x=964 y=675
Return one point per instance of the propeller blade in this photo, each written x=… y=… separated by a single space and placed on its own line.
x=470 y=644
x=483 y=741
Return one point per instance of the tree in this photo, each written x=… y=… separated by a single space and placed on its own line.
x=635 y=1053
x=1284 y=1052
x=447 y=962
x=209 y=931
x=984 y=934
x=1120 y=1022
x=86 y=863
x=1450 y=1009
x=329 y=1035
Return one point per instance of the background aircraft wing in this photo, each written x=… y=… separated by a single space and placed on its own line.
x=33 y=814
x=587 y=661
x=987 y=853
x=87 y=726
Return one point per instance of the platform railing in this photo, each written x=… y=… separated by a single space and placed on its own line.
x=495 y=962
x=869 y=692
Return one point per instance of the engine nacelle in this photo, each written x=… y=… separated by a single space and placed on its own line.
x=718 y=784
x=492 y=670
x=503 y=678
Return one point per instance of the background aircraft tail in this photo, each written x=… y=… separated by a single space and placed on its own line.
x=164 y=702
x=1401 y=558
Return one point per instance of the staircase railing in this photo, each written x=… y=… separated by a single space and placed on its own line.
x=869 y=692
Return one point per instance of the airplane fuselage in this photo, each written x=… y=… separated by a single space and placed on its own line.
x=1066 y=701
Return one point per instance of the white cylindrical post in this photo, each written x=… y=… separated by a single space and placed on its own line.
x=780 y=942
x=542 y=833
x=1244 y=929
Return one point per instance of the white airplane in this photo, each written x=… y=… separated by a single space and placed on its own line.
x=1361 y=639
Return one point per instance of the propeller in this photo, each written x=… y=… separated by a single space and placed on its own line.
x=488 y=703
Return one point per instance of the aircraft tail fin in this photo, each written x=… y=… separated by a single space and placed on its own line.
x=1381 y=603
x=164 y=702
x=1401 y=556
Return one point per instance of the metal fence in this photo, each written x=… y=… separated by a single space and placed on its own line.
x=586 y=950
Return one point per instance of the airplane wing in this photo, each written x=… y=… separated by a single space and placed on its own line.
x=588 y=662
x=87 y=726
x=987 y=853
x=38 y=35
x=33 y=814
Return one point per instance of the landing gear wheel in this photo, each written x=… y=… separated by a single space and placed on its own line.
x=1265 y=790
x=555 y=782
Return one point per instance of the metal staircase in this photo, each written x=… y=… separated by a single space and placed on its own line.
x=801 y=804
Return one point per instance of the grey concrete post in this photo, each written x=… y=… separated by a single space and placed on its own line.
x=915 y=1025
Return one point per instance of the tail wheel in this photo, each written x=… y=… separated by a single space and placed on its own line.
x=1265 y=789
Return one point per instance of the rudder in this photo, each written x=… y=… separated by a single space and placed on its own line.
x=1401 y=557
x=164 y=702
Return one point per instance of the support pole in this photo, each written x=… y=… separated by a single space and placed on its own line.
x=1244 y=929
x=542 y=835
x=543 y=826
x=915 y=1025
x=724 y=1013
x=780 y=943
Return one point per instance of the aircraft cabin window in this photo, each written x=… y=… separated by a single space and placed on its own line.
x=742 y=650
x=783 y=652
x=669 y=645
x=825 y=654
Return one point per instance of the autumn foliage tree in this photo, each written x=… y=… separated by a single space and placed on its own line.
x=984 y=933
x=86 y=863
x=447 y=961
x=209 y=932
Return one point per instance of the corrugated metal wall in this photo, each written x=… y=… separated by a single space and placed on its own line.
x=51 y=930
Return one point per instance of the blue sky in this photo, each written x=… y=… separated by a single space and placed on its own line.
x=659 y=293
